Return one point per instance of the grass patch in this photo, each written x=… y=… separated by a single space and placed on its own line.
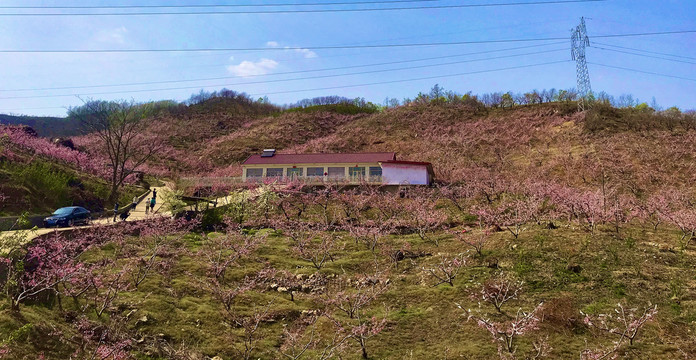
x=423 y=321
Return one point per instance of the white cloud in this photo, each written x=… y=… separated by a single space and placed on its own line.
x=250 y=68
x=114 y=36
x=308 y=54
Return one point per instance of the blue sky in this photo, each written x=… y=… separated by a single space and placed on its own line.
x=21 y=74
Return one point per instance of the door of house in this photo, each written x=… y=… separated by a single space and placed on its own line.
x=294 y=173
x=356 y=173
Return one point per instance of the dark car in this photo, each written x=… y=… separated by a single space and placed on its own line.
x=68 y=216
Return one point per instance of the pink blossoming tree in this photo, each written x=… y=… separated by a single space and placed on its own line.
x=506 y=333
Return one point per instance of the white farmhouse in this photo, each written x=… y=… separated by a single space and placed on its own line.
x=375 y=168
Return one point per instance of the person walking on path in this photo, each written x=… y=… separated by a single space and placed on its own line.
x=154 y=193
x=147 y=206
x=115 y=210
x=135 y=202
x=152 y=205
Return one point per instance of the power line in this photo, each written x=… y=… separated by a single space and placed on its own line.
x=402 y=80
x=641 y=71
x=35 y=108
x=324 y=56
x=414 y=79
x=645 y=34
x=310 y=10
x=647 y=51
x=333 y=47
x=284 y=80
x=644 y=55
x=215 y=5
x=286 y=72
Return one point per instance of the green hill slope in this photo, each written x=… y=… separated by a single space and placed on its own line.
x=34 y=178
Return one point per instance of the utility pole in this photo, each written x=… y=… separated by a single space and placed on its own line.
x=579 y=40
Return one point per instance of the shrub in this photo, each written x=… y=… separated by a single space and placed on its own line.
x=341 y=108
x=212 y=218
x=604 y=117
x=42 y=179
x=561 y=312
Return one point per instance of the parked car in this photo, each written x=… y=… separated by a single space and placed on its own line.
x=68 y=216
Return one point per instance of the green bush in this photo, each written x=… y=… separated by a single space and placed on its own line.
x=213 y=218
x=342 y=108
x=41 y=178
x=604 y=117
x=17 y=335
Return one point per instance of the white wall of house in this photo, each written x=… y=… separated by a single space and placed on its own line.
x=402 y=174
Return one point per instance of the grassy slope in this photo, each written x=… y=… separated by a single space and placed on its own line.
x=186 y=131
x=39 y=186
x=415 y=132
x=639 y=268
x=424 y=321
x=280 y=132
x=551 y=141
x=215 y=136
x=548 y=141
x=220 y=133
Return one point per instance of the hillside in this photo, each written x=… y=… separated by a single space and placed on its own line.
x=364 y=274
x=216 y=134
x=550 y=234
x=547 y=141
x=38 y=176
x=630 y=150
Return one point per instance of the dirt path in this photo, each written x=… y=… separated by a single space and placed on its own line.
x=137 y=214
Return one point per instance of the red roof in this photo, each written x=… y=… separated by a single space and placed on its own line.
x=345 y=158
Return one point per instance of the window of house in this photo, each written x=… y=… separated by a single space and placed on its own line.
x=254 y=172
x=356 y=171
x=274 y=172
x=294 y=172
x=337 y=172
x=315 y=171
x=375 y=171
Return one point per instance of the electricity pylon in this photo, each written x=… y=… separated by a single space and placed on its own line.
x=579 y=40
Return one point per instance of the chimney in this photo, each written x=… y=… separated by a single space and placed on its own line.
x=268 y=153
